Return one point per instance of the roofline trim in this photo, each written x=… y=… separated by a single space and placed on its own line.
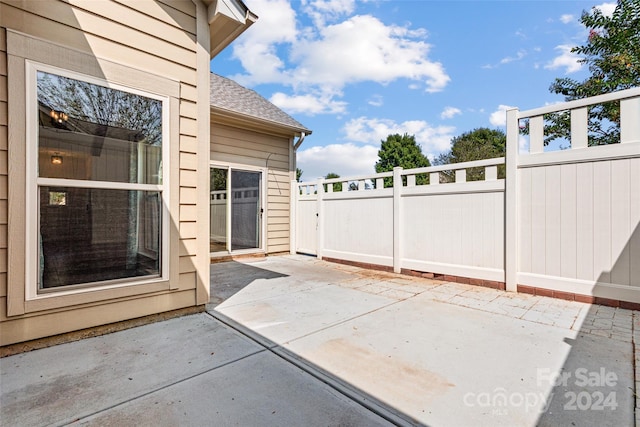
x=234 y=114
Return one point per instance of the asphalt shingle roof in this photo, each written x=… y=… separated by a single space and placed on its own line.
x=229 y=95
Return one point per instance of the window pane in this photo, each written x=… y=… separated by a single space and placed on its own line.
x=218 y=210
x=98 y=235
x=92 y=132
x=245 y=210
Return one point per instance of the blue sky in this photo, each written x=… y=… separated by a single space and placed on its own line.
x=356 y=71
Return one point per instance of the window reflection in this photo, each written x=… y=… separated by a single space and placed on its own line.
x=91 y=132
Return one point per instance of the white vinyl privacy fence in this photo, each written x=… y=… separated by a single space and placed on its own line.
x=566 y=221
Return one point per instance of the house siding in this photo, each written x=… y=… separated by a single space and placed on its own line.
x=157 y=37
x=252 y=148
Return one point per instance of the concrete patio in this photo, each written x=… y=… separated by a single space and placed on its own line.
x=293 y=340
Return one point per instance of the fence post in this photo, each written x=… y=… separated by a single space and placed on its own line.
x=511 y=202
x=397 y=205
x=320 y=217
x=293 y=212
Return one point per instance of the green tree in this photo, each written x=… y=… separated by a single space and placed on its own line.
x=612 y=53
x=478 y=144
x=336 y=186
x=218 y=179
x=401 y=150
x=298 y=174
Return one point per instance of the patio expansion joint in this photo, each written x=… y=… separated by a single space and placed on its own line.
x=340 y=386
x=342 y=322
x=160 y=388
x=211 y=307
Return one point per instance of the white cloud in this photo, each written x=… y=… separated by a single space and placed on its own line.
x=256 y=49
x=499 y=117
x=363 y=48
x=343 y=159
x=606 y=9
x=308 y=104
x=521 y=54
x=376 y=101
x=432 y=139
x=322 y=11
x=566 y=59
x=338 y=50
x=567 y=18
x=449 y=112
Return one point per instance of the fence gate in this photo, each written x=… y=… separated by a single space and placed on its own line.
x=306 y=219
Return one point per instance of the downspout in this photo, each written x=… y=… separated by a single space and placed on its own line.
x=293 y=148
x=299 y=142
x=297 y=145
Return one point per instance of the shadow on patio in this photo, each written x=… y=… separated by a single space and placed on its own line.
x=424 y=352
x=598 y=377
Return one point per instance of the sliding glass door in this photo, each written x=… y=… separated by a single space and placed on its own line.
x=236 y=209
x=245 y=209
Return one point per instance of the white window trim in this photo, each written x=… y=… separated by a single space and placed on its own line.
x=263 y=205
x=33 y=182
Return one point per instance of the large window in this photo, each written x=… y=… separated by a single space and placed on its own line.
x=100 y=188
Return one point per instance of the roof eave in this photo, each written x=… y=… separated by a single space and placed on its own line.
x=227 y=20
x=272 y=125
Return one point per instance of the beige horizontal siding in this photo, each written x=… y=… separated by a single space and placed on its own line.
x=263 y=142
x=279 y=227
x=188 y=213
x=188 y=196
x=188 y=247
x=279 y=245
x=188 y=230
x=282 y=220
x=185 y=6
x=71 y=34
x=188 y=144
x=158 y=38
x=249 y=156
x=187 y=264
x=171 y=16
x=158 y=23
x=188 y=109
x=93 y=20
x=188 y=161
x=188 y=178
x=188 y=91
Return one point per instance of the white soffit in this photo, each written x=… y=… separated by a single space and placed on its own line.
x=227 y=20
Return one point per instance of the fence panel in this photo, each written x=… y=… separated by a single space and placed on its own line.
x=359 y=229
x=579 y=209
x=460 y=233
